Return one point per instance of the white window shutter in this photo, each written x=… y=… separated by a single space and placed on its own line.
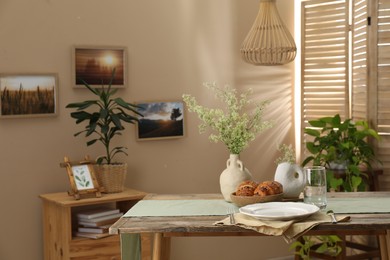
x=325 y=73
x=379 y=94
x=359 y=95
x=326 y=66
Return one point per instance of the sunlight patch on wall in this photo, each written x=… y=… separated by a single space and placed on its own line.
x=275 y=86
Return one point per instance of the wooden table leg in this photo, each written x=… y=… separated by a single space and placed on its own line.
x=166 y=248
x=161 y=247
x=157 y=241
x=384 y=242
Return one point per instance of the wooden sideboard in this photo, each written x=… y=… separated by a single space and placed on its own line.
x=59 y=224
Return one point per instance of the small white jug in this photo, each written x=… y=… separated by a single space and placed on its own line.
x=292 y=178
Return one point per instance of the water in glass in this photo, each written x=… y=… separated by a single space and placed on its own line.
x=315 y=195
x=315 y=189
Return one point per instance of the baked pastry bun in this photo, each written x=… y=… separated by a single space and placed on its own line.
x=246 y=188
x=268 y=188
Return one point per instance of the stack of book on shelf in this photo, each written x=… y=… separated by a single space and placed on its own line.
x=95 y=223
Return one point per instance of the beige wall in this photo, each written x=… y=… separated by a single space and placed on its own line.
x=174 y=46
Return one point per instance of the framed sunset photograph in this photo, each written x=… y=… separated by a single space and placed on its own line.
x=28 y=95
x=161 y=120
x=94 y=65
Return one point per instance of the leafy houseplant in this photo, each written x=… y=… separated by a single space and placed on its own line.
x=104 y=117
x=338 y=146
x=309 y=246
x=341 y=143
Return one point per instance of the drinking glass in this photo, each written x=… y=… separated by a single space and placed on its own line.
x=315 y=188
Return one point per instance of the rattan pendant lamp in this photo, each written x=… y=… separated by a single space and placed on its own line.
x=268 y=42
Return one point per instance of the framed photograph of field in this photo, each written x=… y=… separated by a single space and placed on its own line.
x=94 y=65
x=28 y=95
x=161 y=120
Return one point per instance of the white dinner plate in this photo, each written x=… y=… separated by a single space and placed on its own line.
x=279 y=210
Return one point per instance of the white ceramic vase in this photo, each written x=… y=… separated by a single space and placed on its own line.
x=232 y=176
x=291 y=177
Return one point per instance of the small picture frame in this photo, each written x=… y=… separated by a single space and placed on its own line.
x=161 y=120
x=82 y=177
x=28 y=95
x=94 y=65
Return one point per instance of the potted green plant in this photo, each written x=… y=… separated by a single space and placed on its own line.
x=105 y=117
x=342 y=146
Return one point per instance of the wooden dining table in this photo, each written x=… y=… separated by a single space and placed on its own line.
x=158 y=229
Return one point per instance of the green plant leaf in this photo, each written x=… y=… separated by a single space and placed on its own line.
x=128 y=118
x=122 y=103
x=334 y=238
x=317 y=123
x=113 y=91
x=312 y=132
x=105 y=129
x=101 y=159
x=103 y=113
x=81 y=105
x=373 y=133
x=307 y=160
x=322 y=248
x=93 y=90
x=312 y=148
x=335 y=121
x=116 y=120
x=118 y=151
x=78 y=133
x=356 y=181
x=80 y=115
x=362 y=123
x=335 y=183
x=92 y=128
x=295 y=245
x=91 y=142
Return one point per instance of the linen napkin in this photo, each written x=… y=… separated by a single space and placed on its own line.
x=134 y=242
x=290 y=230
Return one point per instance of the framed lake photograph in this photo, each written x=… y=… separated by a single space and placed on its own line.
x=94 y=65
x=161 y=120
x=28 y=95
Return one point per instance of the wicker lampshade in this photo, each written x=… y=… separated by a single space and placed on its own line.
x=268 y=42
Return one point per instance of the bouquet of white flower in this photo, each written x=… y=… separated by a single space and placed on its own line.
x=233 y=127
